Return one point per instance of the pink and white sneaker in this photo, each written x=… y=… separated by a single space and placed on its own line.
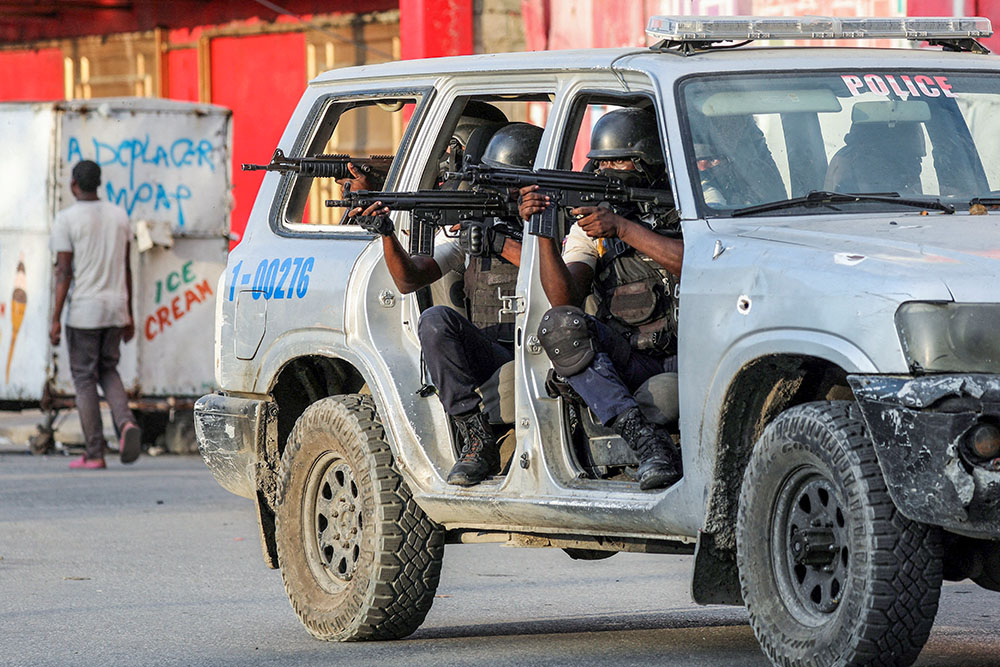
x=130 y=444
x=83 y=463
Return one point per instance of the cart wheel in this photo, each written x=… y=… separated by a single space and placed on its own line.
x=42 y=442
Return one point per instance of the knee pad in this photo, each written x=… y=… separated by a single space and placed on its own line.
x=566 y=339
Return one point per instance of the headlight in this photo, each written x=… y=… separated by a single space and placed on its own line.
x=952 y=337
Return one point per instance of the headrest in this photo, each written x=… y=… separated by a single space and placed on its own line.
x=479 y=138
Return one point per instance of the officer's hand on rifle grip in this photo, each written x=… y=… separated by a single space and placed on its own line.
x=380 y=224
x=472 y=238
x=599 y=221
x=374 y=219
x=531 y=202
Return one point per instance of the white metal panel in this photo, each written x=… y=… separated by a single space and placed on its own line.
x=162 y=162
x=175 y=315
x=167 y=163
x=25 y=266
x=26 y=135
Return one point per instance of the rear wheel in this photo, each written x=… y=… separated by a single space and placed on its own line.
x=359 y=558
x=831 y=573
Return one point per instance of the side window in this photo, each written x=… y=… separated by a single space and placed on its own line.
x=368 y=131
x=587 y=110
x=471 y=123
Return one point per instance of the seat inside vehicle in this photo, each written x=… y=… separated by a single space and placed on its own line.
x=498 y=395
x=498 y=404
x=883 y=151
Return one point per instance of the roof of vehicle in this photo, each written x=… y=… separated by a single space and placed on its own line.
x=744 y=58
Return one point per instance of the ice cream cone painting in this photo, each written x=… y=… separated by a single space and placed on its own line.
x=18 y=302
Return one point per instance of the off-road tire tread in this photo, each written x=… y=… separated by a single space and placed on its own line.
x=409 y=546
x=905 y=566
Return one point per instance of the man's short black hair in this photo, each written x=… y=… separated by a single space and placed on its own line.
x=87 y=175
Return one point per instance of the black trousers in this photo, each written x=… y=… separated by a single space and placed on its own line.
x=608 y=383
x=93 y=360
x=460 y=356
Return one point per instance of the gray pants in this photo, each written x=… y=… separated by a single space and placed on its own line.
x=93 y=360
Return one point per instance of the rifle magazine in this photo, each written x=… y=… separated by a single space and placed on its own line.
x=421 y=238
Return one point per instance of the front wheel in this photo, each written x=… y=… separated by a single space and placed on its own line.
x=831 y=572
x=359 y=558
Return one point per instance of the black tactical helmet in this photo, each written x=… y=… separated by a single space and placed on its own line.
x=626 y=133
x=477 y=114
x=513 y=145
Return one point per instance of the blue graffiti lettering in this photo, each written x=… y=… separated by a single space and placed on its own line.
x=168 y=200
x=74 y=154
x=205 y=149
x=183 y=152
x=187 y=149
x=183 y=155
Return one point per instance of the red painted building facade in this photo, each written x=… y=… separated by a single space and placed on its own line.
x=239 y=54
x=255 y=56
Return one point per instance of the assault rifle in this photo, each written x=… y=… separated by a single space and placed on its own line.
x=327 y=165
x=432 y=208
x=566 y=190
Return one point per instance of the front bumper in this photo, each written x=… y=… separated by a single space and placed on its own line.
x=916 y=424
x=231 y=432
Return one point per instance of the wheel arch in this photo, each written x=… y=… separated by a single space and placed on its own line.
x=305 y=379
x=294 y=385
x=760 y=389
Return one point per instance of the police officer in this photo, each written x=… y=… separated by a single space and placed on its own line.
x=461 y=353
x=632 y=265
x=735 y=165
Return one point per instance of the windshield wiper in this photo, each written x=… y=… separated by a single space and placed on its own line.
x=985 y=201
x=823 y=197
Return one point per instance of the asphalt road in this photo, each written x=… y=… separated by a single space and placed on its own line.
x=155 y=564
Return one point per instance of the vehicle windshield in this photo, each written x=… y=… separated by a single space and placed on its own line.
x=764 y=138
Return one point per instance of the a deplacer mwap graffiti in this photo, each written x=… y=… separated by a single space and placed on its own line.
x=18 y=302
x=188 y=156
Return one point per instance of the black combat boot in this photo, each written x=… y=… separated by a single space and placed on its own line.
x=659 y=461
x=480 y=457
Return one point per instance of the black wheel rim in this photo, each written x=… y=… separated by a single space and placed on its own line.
x=332 y=521
x=809 y=533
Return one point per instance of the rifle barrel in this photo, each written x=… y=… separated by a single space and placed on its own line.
x=443 y=199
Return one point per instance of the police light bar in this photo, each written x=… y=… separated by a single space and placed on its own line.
x=741 y=28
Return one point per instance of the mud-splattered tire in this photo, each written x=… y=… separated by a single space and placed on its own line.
x=359 y=558
x=830 y=572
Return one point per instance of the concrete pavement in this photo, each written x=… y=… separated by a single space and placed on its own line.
x=155 y=564
x=17 y=427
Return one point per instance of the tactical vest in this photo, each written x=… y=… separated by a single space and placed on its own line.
x=638 y=298
x=481 y=291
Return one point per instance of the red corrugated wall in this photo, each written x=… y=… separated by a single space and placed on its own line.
x=988 y=8
x=182 y=66
x=991 y=10
x=431 y=28
x=31 y=75
x=260 y=78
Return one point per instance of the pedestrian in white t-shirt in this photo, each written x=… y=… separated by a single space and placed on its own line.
x=91 y=242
